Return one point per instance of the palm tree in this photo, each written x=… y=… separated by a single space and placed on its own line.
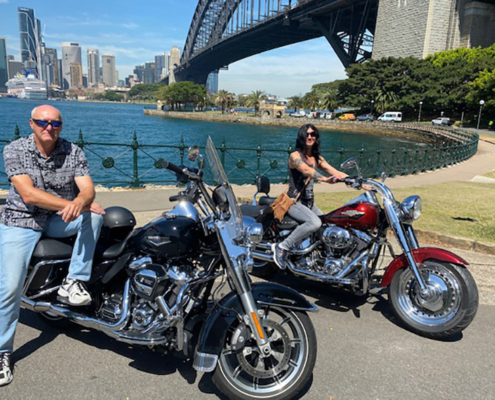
x=295 y=103
x=311 y=101
x=223 y=98
x=330 y=100
x=254 y=100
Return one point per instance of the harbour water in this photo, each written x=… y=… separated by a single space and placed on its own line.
x=116 y=124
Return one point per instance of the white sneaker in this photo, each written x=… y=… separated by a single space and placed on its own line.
x=6 y=375
x=74 y=293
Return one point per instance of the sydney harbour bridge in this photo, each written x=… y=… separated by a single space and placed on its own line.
x=225 y=31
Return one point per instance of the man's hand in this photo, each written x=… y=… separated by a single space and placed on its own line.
x=72 y=210
x=96 y=208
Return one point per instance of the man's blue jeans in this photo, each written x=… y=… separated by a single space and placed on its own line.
x=16 y=248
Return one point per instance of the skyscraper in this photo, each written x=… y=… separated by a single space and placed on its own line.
x=139 y=72
x=212 y=82
x=15 y=67
x=51 y=67
x=30 y=37
x=149 y=72
x=71 y=54
x=93 y=67
x=76 y=75
x=108 y=69
x=4 y=66
x=159 y=65
x=174 y=62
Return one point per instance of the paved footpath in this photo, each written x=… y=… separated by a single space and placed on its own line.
x=363 y=353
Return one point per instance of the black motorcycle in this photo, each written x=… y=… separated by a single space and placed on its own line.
x=156 y=286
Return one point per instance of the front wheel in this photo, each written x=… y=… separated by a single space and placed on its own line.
x=449 y=306
x=245 y=374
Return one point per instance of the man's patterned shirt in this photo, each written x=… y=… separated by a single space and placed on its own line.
x=54 y=175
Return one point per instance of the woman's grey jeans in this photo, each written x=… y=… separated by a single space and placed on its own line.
x=309 y=222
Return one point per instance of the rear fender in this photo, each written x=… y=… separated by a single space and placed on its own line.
x=420 y=255
x=223 y=315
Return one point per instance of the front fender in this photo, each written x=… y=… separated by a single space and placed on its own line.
x=212 y=335
x=420 y=255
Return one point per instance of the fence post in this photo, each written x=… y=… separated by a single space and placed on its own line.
x=17 y=134
x=289 y=151
x=80 y=140
x=406 y=161
x=223 y=149
x=258 y=161
x=135 y=175
x=378 y=170
x=392 y=169
x=182 y=147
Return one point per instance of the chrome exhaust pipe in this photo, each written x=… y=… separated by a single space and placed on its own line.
x=262 y=256
x=81 y=319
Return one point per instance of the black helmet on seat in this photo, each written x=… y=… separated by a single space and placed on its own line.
x=118 y=223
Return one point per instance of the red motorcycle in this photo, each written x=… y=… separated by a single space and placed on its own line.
x=430 y=290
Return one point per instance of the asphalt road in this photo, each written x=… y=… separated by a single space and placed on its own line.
x=362 y=354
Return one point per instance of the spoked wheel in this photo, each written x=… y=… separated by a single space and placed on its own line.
x=246 y=374
x=449 y=306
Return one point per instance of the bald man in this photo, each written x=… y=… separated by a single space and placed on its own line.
x=44 y=171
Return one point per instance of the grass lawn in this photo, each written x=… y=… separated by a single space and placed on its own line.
x=461 y=209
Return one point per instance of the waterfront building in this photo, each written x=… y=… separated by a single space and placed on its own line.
x=149 y=72
x=4 y=66
x=71 y=54
x=212 y=82
x=108 y=69
x=139 y=72
x=76 y=75
x=173 y=63
x=93 y=67
x=30 y=38
x=85 y=80
x=52 y=75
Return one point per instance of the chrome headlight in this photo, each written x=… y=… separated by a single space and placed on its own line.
x=253 y=231
x=411 y=208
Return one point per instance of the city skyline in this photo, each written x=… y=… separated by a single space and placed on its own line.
x=136 y=36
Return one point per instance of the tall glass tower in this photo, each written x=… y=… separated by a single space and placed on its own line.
x=30 y=36
x=4 y=66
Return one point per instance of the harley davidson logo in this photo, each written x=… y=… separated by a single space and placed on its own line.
x=353 y=213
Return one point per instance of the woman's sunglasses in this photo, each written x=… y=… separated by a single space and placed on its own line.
x=314 y=134
x=43 y=124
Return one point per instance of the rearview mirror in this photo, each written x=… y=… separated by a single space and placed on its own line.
x=349 y=163
x=193 y=153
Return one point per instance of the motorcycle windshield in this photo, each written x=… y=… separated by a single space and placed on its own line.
x=220 y=178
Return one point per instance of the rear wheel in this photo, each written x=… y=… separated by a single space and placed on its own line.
x=449 y=306
x=245 y=374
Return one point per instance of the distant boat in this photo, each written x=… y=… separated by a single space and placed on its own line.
x=27 y=87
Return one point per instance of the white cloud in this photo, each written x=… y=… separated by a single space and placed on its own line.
x=4 y=1
x=130 y=25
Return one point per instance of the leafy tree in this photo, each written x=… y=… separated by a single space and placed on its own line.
x=254 y=100
x=330 y=99
x=180 y=94
x=113 y=96
x=145 y=91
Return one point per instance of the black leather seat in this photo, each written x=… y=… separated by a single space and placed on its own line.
x=52 y=249
x=266 y=200
x=287 y=223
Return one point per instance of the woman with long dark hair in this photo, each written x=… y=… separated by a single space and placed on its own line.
x=303 y=172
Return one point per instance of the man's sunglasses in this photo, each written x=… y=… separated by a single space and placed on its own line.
x=43 y=124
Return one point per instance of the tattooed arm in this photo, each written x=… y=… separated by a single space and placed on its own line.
x=295 y=162
x=333 y=172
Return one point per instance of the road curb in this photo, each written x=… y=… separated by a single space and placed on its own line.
x=455 y=242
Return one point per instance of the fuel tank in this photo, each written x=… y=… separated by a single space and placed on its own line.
x=359 y=215
x=170 y=237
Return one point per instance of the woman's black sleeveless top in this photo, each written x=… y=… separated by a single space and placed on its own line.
x=296 y=185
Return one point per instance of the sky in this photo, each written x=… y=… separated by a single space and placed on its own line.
x=135 y=32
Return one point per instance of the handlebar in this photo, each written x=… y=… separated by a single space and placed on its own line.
x=172 y=167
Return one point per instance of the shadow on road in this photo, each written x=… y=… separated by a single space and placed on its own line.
x=143 y=359
x=343 y=301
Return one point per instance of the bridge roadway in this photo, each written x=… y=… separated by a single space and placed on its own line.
x=334 y=19
x=363 y=353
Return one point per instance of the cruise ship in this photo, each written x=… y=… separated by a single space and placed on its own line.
x=27 y=87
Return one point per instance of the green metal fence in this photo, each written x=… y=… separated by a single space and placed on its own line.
x=135 y=164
